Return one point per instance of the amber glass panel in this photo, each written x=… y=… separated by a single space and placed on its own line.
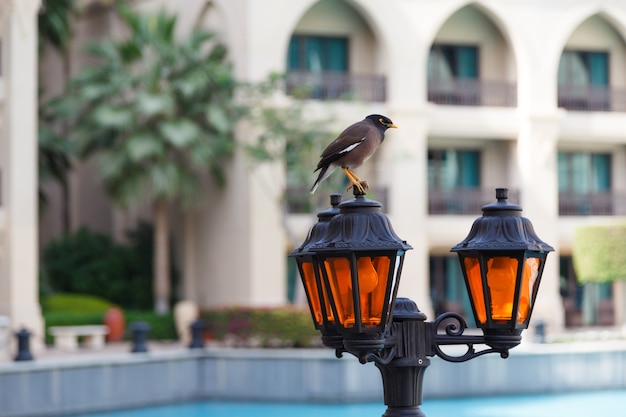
x=531 y=270
x=308 y=274
x=340 y=280
x=372 y=297
x=472 y=268
x=501 y=276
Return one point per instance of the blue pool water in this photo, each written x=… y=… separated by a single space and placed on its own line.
x=601 y=403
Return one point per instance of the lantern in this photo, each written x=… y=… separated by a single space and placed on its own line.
x=502 y=261
x=309 y=270
x=360 y=261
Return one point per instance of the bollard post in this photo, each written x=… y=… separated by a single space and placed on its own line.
x=23 y=345
x=540 y=332
x=197 y=334
x=139 y=331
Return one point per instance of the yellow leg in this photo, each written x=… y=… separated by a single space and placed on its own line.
x=355 y=181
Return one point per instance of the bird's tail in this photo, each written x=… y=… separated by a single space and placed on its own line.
x=321 y=177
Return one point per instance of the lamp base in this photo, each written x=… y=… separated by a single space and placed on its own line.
x=362 y=348
x=333 y=341
x=503 y=339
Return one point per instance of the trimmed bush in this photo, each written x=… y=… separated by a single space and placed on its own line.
x=74 y=303
x=280 y=327
x=162 y=326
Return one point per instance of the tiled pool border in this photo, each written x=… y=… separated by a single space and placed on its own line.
x=78 y=385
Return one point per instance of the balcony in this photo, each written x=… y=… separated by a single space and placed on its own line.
x=462 y=201
x=592 y=204
x=300 y=200
x=472 y=92
x=592 y=98
x=329 y=85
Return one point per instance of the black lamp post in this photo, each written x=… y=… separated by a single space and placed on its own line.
x=351 y=264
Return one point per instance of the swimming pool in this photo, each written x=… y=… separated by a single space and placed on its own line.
x=600 y=403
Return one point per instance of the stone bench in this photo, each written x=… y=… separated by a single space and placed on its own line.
x=66 y=337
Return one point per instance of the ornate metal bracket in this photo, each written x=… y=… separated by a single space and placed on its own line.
x=454 y=326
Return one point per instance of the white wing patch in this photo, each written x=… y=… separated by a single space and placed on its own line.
x=351 y=147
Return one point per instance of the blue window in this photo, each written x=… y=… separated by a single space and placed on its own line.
x=447 y=287
x=452 y=168
x=318 y=53
x=453 y=61
x=584 y=172
x=583 y=68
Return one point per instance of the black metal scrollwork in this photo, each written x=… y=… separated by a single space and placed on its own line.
x=454 y=326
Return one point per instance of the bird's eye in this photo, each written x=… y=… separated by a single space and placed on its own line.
x=382 y=121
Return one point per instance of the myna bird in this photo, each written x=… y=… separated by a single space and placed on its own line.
x=352 y=148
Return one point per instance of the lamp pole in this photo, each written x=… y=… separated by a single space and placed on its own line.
x=351 y=264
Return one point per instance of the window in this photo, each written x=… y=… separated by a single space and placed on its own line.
x=453 y=75
x=453 y=61
x=454 y=181
x=584 y=304
x=318 y=53
x=584 y=172
x=583 y=81
x=447 y=287
x=585 y=183
x=581 y=68
x=450 y=169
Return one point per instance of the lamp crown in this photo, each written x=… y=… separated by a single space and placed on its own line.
x=502 y=206
x=502 y=227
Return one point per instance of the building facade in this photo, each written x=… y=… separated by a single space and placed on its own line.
x=525 y=94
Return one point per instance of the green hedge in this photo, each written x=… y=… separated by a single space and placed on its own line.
x=280 y=327
x=81 y=309
x=74 y=303
x=87 y=262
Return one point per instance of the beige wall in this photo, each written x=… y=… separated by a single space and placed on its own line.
x=235 y=246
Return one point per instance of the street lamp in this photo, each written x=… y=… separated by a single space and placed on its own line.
x=351 y=264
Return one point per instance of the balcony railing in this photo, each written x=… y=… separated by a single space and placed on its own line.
x=472 y=92
x=330 y=85
x=300 y=200
x=460 y=201
x=592 y=98
x=594 y=204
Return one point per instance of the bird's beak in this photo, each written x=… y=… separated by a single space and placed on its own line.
x=394 y=126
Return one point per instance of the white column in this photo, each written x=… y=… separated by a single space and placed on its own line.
x=538 y=173
x=18 y=263
x=405 y=176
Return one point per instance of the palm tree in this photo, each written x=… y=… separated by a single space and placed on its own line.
x=54 y=30
x=158 y=114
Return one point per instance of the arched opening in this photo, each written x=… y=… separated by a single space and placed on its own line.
x=334 y=55
x=471 y=63
x=592 y=68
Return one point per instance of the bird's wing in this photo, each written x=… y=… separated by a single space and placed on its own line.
x=349 y=139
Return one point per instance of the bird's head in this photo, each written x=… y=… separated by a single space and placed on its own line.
x=380 y=121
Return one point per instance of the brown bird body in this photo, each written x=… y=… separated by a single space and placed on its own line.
x=355 y=145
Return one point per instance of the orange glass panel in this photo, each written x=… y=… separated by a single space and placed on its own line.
x=340 y=280
x=472 y=268
x=501 y=276
x=531 y=270
x=311 y=290
x=373 y=299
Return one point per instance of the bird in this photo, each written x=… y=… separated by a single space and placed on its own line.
x=355 y=145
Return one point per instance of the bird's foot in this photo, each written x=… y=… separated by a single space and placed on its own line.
x=361 y=186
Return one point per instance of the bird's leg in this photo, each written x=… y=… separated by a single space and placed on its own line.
x=355 y=181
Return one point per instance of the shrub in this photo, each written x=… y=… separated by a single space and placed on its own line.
x=162 y=326
x=280 y=327
x=92 y=263
x=72 y=310
x=74 y=303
